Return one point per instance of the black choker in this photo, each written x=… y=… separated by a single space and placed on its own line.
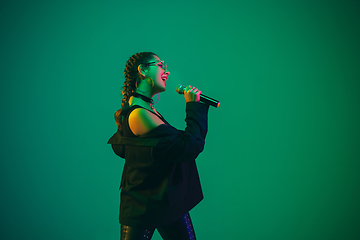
x=146 y=99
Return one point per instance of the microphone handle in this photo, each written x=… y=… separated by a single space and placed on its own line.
x=205 y=99
x=209 y=100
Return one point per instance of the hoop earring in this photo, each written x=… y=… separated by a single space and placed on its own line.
x=152 y=85
x=137 y=89
x=152 y=82
x=153 y=104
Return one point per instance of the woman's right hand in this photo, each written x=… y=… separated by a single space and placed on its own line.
x=191 y=94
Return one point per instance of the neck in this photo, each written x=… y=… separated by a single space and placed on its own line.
x=144 y=98
x=146 y=89
x=138 y=100
x=148 y=94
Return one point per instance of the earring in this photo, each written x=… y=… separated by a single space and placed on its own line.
x=139 y=70
x=152 y=81
x=153 y=104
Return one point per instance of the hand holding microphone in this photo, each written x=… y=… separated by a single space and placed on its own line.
x=192 y=94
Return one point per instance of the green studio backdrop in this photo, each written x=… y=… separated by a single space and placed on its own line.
x=281 y=159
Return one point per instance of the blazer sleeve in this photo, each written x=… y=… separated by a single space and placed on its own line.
x=188 y=144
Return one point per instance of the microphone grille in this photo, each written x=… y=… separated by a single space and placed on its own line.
x=180 y=89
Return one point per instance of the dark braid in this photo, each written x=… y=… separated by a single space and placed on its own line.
x=132 y=78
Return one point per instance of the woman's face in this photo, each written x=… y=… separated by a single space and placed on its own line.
x=158 y=72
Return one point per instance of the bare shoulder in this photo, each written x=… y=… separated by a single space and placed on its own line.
x=142 y=121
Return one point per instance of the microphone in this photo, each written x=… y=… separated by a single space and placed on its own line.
x=205 y=99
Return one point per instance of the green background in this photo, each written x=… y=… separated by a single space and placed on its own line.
x=281 y=159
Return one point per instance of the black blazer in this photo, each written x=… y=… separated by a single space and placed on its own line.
x=160 y=181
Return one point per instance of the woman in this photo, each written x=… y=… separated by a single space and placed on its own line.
x=160 y=182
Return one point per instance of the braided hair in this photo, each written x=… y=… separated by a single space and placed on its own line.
x=132 y=78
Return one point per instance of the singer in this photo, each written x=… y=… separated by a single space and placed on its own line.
x=160 y=182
